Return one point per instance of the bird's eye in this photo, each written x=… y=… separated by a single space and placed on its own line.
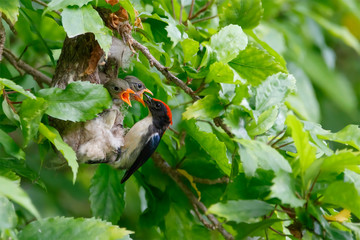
x=157 y=105
x=139 y=86
x=116 y=88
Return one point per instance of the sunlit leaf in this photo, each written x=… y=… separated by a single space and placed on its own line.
x=284 y=189
x=228 y=42
x=107 y=194
x=87 y=19
x=10 y=9
x=348 y=135
x=54 y=137
x=245 y=13
x=69 y=228
x=221 y=73
x=342 y=216
x=190 y=48
x=10 y=84
x=61 y=4
x=79 y=101
x=208 y=107
x=255 y=154
x=31 y=113
x=265 y=122
x=13 y=191
x=8 y=216
x=241 y=210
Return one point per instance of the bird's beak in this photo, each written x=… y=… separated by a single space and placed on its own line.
x=125 y=96
x=148 y=99
x=139 y=96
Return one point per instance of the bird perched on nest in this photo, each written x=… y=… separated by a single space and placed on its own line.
x=144 y=137
x=101 y=137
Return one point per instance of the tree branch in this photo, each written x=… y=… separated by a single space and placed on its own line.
x=203 y=19
x=2 y=37
x=224 y=179
x=191 y=8
x=11 y=25
x=39 y=77
x=172 y=173
x=201 y=10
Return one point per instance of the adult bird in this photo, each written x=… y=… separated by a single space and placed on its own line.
x=144 y=137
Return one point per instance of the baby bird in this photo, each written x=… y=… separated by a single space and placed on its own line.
x=138 y=87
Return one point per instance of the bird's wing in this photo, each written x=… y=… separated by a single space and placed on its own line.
x=144 y=155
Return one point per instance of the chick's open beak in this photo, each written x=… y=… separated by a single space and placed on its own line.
x=125 y=96
x=139 y=96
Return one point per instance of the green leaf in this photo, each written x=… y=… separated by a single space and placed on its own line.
x=245 y=13
x=107 y=194
x=265 y=122
x=343 y=194
x=20 y=168
x=284 y=189
x=177 y=224
x=305 y=151
x=13 y=191
x=87 y=19
x=255 y=154
x=338 y=31
x=126 y=4
x=190 y=48
x=210 y=143
x=79 y=101
x=54 y=137
x=10 y=146
x=10 y=84
x=348 y=135
x=31 y=112
x=248 y=229
x=61 y=4
x=221 y=73
x=208 y=107
x=255 y=65
x=241 y=210
x=273 y=91
x=10 y=9
x=8 y=218
x=61 y=228
x=228 y=42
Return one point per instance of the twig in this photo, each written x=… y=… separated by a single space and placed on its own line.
x=180 y=15
x=224 y=179
x=201 y=10
x=201 y=218
x=277 y=135
x=173 y=8
x=45 y=5
x=174 y=131
x=191 y=8
x=2 y=37
x=39 y=77
x=220 y=123
x=8 y=100
x=214 y=222
x=281 y=146
x=11 y=25
x=280 y=233
x=164 y=70
x=203 y=19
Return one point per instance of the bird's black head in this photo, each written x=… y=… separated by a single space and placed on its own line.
x=160 y=112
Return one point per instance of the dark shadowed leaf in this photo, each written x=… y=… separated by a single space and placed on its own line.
x=210 y=143
x=54 y=137
x=10 y=146
x=13 y=191
x=107 y=194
